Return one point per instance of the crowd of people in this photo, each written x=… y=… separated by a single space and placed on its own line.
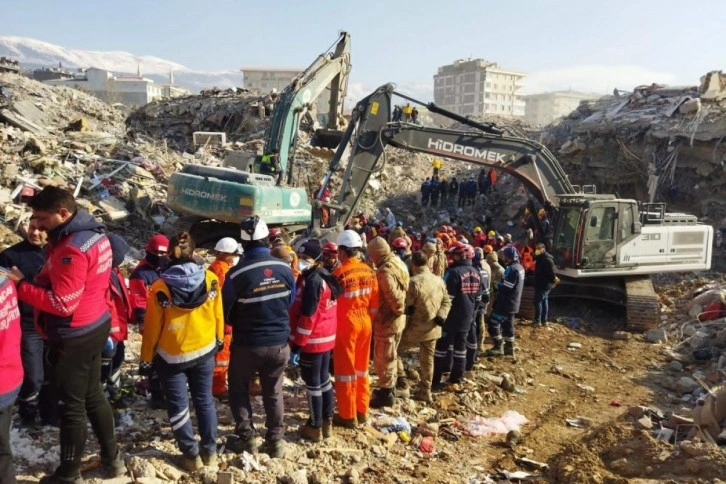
x=261 y=306
x=438 y=192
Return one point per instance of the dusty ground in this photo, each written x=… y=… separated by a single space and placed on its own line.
x=553 y=383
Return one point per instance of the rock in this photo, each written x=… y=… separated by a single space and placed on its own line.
x=622 y=335
x=637 y=411
x=141 y=467
x=656 y=336
x=353 y=475
x=694 y=449
x=514 y=437
x=645 y=422
x=297 y=477
x=686 y=384
x=172 y=473
x=675 y=366
x=225 y=478
x=700 y=340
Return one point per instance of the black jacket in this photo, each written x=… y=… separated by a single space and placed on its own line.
x=463 y=283
x=544 y=272
x=29 y=259
x=257 y=296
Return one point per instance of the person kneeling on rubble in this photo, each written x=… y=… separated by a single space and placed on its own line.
x=313 y=323
x=183 y=330
x=427 y=306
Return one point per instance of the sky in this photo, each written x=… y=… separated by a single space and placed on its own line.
x=583 y=45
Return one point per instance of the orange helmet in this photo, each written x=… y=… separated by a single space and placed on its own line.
x=488 y=249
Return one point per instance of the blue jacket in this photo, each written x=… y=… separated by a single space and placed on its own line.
x=29 y=259
x=463 y=283
x=509 y=290
x=257 y=296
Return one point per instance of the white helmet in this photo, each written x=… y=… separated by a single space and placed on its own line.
x=229 y=246
x=254 y=228
x=349 y=238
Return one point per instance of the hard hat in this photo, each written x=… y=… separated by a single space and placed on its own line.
x=458 y=249
x=492 y=233
x=158 y=243
x=510 y=253
x=253 y=228
x=500 y=238
x=488 y=249
x=469 y=251
x=228 y=245
x=541 y=212
x=508 y=236
x=330 y=247
x=399 y=243
x=477 y=229
x=349 y=238
x=399 y=224
x=311 y=249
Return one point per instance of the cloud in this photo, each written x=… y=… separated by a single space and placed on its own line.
x=594 y=78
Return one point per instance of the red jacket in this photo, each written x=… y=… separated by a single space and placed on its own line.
x=313 y=315
x=119 y=306
x=11 y=366
x=70 y=294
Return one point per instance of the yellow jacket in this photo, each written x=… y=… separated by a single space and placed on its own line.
x=177 y=334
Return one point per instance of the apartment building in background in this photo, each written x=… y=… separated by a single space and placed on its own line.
x=544 y=108
x=479 y=87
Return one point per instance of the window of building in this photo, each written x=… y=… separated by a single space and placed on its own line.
x=489 y=85
x=487 y=96
x=496 y=87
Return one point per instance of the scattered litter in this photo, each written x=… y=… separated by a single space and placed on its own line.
x=574 y=346
x=533 y=464
x=578 y=422
x=586 y=388
x=482 y=427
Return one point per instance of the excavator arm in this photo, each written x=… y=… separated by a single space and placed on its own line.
x=330 y=69
x=371 y=130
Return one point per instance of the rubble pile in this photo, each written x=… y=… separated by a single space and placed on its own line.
x=239 y=114
x=658 y=143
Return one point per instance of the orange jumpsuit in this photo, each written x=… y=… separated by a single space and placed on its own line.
x=353 y=339
x=221 y=360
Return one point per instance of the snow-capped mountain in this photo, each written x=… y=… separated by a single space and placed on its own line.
x=34 y=54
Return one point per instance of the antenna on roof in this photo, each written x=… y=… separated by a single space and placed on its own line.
x=138 y=69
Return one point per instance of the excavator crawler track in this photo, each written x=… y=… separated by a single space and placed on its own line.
x=642 y=304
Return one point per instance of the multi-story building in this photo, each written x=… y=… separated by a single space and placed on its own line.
x=544 y=108
x=128 y=90
x=9 y=65
x=479 y=88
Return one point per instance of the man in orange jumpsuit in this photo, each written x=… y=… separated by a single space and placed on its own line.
x=228 y=252
x=353 y=339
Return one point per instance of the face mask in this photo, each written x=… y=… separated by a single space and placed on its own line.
x=235 y=260
x=153 y=259
x=537 y=252
x=302 y=265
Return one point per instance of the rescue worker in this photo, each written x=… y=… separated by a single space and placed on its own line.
x=313 y=323
x=142 y=277
x=183 y=330
x=401 y=248
x=435 y=191
x=497 y=270
x=356 y=305
x=479 y=239
x=280 y=249
x=388 y=323
x=407 y=110
x=396 y=232
x=463 y=284
x=427 y=306
x=444 y=192
x=425 y=192
x=270 y=165
x=228 y=253
x=69 y=295
x=121 y=315
x=34 y=397
x=436 y=165
x=12 y=371
x=433 y=249
x=547 y=233
x=453 y=189
x=500 y=324
x=544 y=281
x=390 y=219
x=475 y=338
x=258 y=294
x=330 y=256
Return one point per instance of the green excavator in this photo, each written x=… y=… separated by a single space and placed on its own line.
x=213 y=200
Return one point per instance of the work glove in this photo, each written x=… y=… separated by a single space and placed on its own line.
x=220 y=345
x=439 y=320
x=145 y=368
x=294 y=360
x=227 y=329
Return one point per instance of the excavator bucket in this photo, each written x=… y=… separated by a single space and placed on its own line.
x=326 y=138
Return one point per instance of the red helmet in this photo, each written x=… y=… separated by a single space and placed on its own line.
x=330 y=247
x=458 y=248
x=469 y=251
x=275 y=233
x=399 y=243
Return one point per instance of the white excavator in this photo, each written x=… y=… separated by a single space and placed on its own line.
x=605 y=247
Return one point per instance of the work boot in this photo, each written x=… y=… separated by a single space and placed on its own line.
x=497 y=349
x=348 y=423
x=509 y=348
x=362 y=418
x=209 y=460
x=115 y=466
x=313 y=434
x=239 y=445
x=274 y=448
x=191 y=464
x=383 y=397
x=402 y=383
x=327 y=428
x=423 y=395
x=54 y=479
